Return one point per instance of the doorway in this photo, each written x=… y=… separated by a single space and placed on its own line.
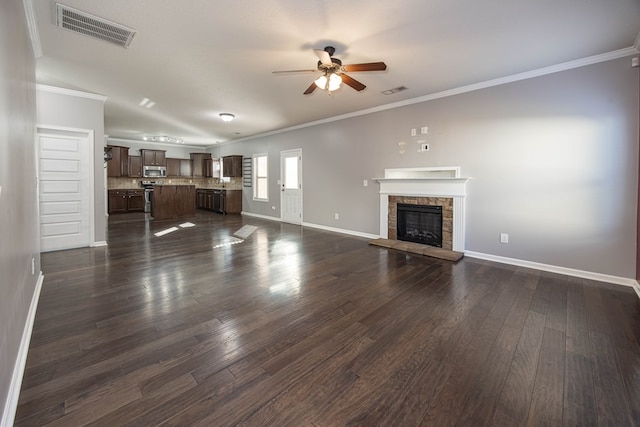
x=291 y=186
x=65 y=183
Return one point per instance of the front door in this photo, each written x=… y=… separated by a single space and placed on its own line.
x=64 y=190
x=291 y=186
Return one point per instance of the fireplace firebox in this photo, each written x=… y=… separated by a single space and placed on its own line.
x=420 y=224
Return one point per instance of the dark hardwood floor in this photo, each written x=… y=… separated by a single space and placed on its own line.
x=301 y=327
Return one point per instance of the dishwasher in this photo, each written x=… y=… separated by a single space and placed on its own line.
x=218 y=201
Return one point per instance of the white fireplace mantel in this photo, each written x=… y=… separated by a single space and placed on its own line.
x=425 y=182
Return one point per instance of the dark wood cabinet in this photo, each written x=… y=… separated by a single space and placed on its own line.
x=198 y=165
x=173 y=167
x=121 y=201
x=135 y=166
x=117 y=201
x=135 y=200
x=232 y=166
x=221 y=201
x=231 y=202
x=208 y=169
x=173 y=202
x=119 y=163
x=178 y=167
x=153 y=158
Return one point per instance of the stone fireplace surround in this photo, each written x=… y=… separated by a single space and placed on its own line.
x=440 y=186
x=447 y=215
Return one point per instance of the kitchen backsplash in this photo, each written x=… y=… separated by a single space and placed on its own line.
x=114 y=183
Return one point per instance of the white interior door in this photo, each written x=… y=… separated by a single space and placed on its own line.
x=64 y=190
x=291 y=186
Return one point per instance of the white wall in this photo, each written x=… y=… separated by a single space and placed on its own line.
x=553 y=162
x=18 y=198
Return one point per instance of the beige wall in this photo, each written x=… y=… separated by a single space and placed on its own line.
x=19 y=241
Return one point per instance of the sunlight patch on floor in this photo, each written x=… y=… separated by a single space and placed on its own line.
x=167 y=231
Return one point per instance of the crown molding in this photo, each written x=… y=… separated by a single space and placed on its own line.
x=33 y=28
x=620 y=53
x=71 y=92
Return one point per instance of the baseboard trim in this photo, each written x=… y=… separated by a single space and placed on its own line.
x=11 y=405
x=318 y=226
x=636 y=287
x=341 y=230
x=98 y=244
x=617 y=280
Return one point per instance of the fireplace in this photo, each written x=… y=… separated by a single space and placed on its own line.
x=429 y=186
x=419 y=224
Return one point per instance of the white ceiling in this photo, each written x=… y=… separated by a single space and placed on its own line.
x=199 y=58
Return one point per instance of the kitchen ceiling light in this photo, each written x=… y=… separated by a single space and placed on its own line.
x=334 y=82
x=227 y=117
x=163 y=138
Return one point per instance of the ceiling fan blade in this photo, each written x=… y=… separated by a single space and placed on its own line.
x=294 y=71
x=323 y=56
x=369 y=66
x=310 y=89
x=352 y=82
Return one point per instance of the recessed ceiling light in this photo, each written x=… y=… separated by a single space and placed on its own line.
x=227 y=117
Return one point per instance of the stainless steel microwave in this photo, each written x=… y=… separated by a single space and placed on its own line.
x=154 y=171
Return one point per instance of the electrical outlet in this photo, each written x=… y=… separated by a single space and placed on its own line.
x=365 y=183
x=424 y=147
x=336 y=216
x=414 y=132
x=424 y=130
x=504 y=238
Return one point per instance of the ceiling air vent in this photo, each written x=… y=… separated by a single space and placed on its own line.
x=92 y=26
x=394 y=90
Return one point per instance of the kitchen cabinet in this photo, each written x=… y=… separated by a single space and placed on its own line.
x=173 y=202
x=231 y=202
x=232 y=166
x=119 y=163
x=199 y=166
x=178 y=167
x=121 y=201
x=219 y=200
x=135 y=166
x=153 y=158
x=135 y=200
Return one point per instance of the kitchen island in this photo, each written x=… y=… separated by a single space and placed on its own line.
x=173 y=202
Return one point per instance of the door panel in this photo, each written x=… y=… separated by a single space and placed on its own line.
x=64 y=191
x=291 y=186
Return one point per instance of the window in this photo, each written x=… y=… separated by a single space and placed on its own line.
x=260 y=178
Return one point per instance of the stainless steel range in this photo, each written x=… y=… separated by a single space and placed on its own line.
x=148 y=190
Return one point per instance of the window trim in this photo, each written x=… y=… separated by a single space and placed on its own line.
x=256 y=177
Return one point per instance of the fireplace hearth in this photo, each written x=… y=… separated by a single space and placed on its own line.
x=419 y=224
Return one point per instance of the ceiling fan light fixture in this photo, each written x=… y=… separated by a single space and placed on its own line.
x=226 y=117
x=332 y=83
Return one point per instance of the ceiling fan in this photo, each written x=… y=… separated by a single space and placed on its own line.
x=333 y=72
